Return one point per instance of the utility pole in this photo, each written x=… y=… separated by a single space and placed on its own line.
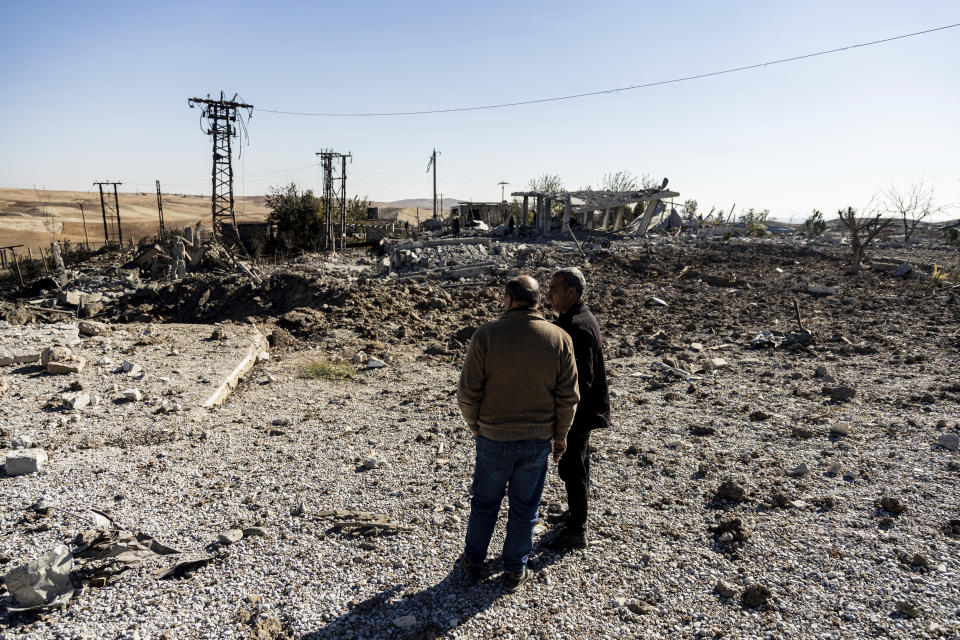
x=222 y=119
x=83 y=217
x=334 y=200
x=114 y=218
x=433 y=163
x=160 y=209
x=441 y=205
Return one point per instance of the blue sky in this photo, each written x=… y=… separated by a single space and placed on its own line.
x=99 y=90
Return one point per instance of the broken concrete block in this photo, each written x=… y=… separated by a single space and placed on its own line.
x=360 y=357
x=842 y=393
x=51 y=354
x=71 y=298
x=92 y=328
x=949 y=441
x=798 y=471
x=75 y=401
x=127 y=366
x=40 y=581
x=230 y=536
x=25 y=461
x=133 y=395
x=18 y=358
x=819 y=290
x=714 y=364
x=375 y=363
x=57 y=367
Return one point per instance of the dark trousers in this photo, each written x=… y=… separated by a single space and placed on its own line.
x=574 y=470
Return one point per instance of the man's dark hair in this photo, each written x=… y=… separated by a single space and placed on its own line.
x=572 y=277
x=524 y=290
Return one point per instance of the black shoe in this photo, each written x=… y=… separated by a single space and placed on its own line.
x=558 y=518
x=471 y=572
x=513 y=580
x=569 y=539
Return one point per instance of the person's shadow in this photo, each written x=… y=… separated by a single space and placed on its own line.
x=437 y=609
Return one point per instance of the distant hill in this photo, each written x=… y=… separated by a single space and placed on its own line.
x=423 y=203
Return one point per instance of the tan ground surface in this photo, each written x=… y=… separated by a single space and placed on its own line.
x=35 y=218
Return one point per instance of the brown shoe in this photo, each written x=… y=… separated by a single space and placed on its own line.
x=513 y=580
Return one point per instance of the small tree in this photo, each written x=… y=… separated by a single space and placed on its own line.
x=912 y=205
x=755 y=222
x=297 y=216
x=690 y=211
x=814 y=225
x=863 y=229
x=549 y=184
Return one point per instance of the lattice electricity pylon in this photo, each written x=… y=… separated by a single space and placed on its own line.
x=112 y=232
x=334 y=200
x=222 y=118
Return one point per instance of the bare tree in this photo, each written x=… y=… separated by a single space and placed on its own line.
x=863 y=229
x=547 y=183
x=912 y=204
x=619 y=181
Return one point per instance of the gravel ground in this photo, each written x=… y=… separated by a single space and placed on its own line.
x=696 y=482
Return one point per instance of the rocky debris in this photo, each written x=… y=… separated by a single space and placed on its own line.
x=759 y=415
x=405 y=623
x=4 y=385
x=715 y=364
x=949 y=441
x=61 y=361
x=374 y=461
x=730 y=533
x=725 y=589
x=952 y=528
x=92 y=328
x=732 y=491
x=25 y=461
x=908 y=609
x=798 y=471
x=755 y=595
x=76 y=400
x=891 y=505
x=840 y=429
x=43 y=581
x=375 y=363
x=841 y=393
x=133 y=395
x=229 y=537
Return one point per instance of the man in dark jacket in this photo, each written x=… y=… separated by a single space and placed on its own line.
x=593 y=411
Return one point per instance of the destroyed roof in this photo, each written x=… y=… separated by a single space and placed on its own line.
x=595 y=200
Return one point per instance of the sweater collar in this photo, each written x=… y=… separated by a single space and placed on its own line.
x=523 y=312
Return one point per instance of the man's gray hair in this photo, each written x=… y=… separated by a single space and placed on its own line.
x=573 y=277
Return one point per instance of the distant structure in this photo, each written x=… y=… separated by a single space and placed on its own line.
x=334 y=199
x=222 y=118
x=112 y=232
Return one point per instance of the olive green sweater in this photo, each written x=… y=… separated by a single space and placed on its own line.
x=519 y=381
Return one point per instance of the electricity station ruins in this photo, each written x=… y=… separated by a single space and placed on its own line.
x=247 y=428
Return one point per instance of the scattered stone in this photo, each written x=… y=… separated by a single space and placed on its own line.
x=730 y=490
x=725 y=589
x=657 y=302
x=3 y=385
x=841 y=393
x=75 y=365
x=133 y=395
x=759 y=416
x=374 y=461
x=755 y=595
x=840 y=429
x=254 y=532
x=375 y=363
x=127 y=366
x=952 y=528
x=798 y=471
x=802 y=433
x=405 y=622
x=639 y=607
x=75 y=401
x=713 y=364
x=25 y=461
x=907 y=608
x=92 y=328
x=730 y=533
x=360 y=357
x=949 y=441
x=51 y=354
x=267 y=629
x=230 y=536
x=21 y=442
x=891 y=505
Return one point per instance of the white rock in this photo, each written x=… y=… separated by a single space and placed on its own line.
x=717 y=363
x=75 y=401
x=949 y=441
x=360 y=357
x=21 y=442
x=375 y=363
x=840 y=429
x=104 y=360
x=25 y=461
x=133 y=395
x=798 y=471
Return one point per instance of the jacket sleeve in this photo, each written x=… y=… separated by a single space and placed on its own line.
x=470 y=389
x=566 y=395
x=585 y=350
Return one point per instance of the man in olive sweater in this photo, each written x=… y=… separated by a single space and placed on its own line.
x=517 y=392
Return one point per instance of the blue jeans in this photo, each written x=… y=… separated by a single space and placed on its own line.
x=521 y=465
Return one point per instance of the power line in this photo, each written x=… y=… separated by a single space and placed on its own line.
x=618 y=89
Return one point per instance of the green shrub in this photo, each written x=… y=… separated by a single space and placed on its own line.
x=323 y=370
